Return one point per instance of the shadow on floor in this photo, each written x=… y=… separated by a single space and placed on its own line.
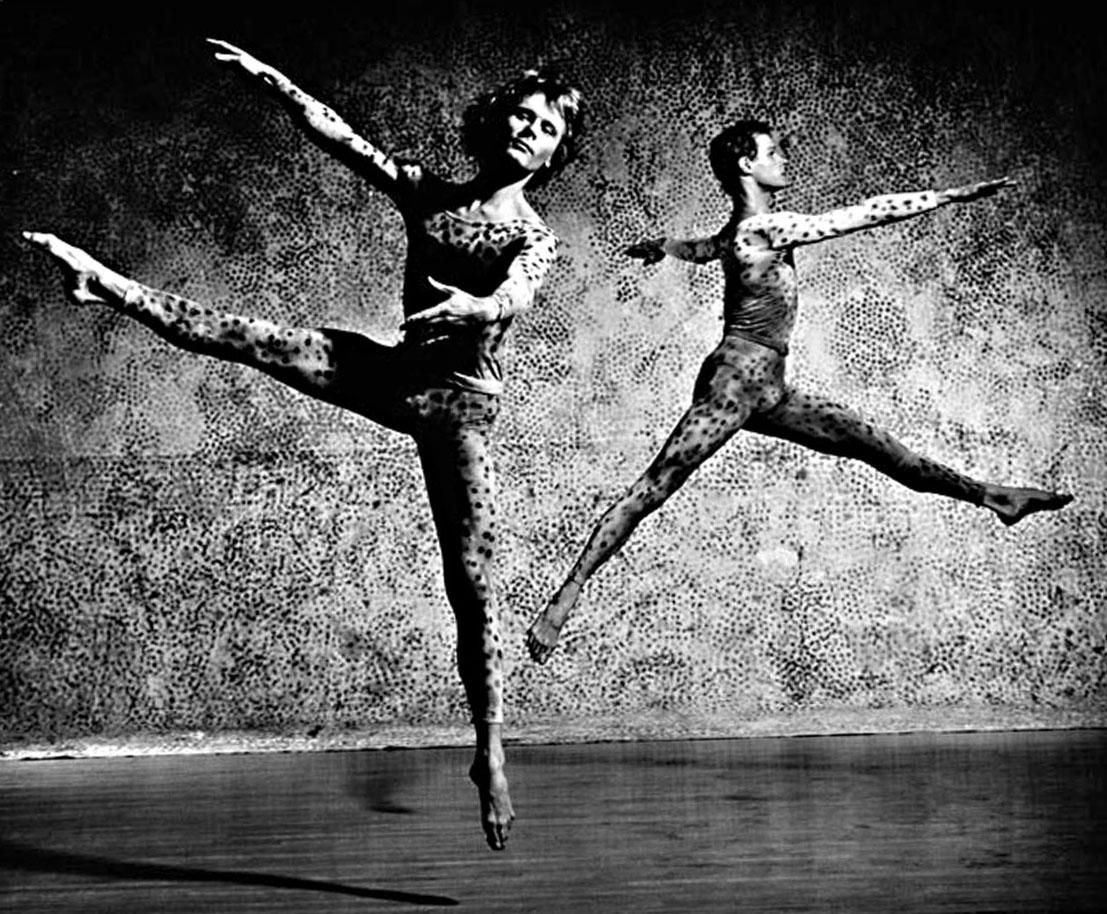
x=14 y=856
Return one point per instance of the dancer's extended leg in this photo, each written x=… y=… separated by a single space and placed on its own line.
x=304 y=358
x=825 y=426
x=697 y=435
x=726 y=393
x=453 y=448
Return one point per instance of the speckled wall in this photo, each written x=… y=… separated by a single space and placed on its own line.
x=187 y=544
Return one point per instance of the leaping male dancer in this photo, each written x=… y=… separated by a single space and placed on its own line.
x=741 y=383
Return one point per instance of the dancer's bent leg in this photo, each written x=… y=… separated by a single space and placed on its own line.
x=452 y=437
x=726 y=393
x=819 y=423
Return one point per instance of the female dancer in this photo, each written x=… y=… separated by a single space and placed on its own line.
x=477 y=252
x=741 y=383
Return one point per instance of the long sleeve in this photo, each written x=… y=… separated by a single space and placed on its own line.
x=526 y=272
x=332 y=134
x=694 y=250
x=788 y=229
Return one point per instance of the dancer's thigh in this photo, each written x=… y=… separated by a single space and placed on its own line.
x=371 y=380
x=819 y=423
x=452 y=430
x=735 y=382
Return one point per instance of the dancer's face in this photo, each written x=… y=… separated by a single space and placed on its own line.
x=767 y=167
x=535 y=129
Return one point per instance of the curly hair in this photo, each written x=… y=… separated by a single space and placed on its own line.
x=730 y=145
x=484 y=117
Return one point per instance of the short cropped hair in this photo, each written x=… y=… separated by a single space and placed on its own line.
x=731 y=144
x=483 y=119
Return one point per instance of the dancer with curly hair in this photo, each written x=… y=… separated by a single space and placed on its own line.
x=477 y=252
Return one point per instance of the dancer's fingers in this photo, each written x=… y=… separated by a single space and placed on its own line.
x=54 y=246
x=422 y=317
x=225 y=45
x=443 y=287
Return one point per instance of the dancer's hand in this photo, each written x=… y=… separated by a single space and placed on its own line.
x=236 y=57
x=459 y=308
x=84 y=276
x=974 y=191
x=650 y=251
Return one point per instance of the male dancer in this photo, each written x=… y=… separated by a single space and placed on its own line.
x=741 y=383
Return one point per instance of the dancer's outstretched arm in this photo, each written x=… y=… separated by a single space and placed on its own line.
x=694 y=250
x=322 y=125
x=783 y=230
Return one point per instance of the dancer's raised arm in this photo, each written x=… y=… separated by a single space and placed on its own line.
x=322 y=125
x=476 y=254
x=788 y=229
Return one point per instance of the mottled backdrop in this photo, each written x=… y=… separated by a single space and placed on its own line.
x=186 y=544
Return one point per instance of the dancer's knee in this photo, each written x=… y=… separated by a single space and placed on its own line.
x=468 y=586
x=897 y=463
x=905 y=466
x=657 y=485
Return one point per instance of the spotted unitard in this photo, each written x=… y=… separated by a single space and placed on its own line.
x=442 y=387
x=741 y=383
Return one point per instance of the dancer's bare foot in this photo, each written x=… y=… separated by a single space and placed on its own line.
x=1012 y=504
x=544 y=630
x=496 y=812
x=542 y=637
x=86 y=279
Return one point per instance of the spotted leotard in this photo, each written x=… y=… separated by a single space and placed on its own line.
x=440 y=385
x=741 y=383
x=506 y=260
x=760 y=295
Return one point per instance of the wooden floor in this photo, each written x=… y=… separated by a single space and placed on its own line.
x=1000 y=822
